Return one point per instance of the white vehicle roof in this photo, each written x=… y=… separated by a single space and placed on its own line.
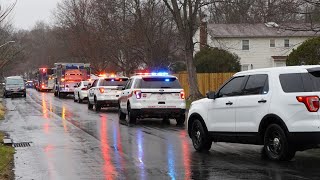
x=111 y=77
x=14 y=77
x=153 y=76
x=279 y=70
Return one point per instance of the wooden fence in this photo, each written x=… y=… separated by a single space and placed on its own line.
x=206 y=81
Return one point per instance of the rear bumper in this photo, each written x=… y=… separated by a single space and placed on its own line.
x=46 y=88
x=108 y=103
x=159 y=112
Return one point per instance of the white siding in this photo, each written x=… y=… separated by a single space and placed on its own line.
x=260 y=52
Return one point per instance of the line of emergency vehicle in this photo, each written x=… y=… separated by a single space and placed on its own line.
x=67 y=77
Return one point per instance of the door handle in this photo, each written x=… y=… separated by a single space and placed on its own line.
x=262 y=101
x=229 y=103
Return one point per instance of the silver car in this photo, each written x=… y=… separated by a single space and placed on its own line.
x=14 y=85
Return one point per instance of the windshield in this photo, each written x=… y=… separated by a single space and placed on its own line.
x=14 y=81
x=159 y=83
x=114 y=82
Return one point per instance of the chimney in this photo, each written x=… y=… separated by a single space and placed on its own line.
x=203 y=35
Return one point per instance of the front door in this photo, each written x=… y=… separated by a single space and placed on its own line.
x=222 y=110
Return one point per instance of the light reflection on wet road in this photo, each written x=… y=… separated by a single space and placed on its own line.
x=72 y=142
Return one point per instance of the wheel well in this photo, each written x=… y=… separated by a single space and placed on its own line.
x=271 y=119
x=192 y=118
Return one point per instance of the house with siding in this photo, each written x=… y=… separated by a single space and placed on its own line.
x=258 y=45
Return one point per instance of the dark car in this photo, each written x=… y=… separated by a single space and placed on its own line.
x=14 y=86
x=29 y=84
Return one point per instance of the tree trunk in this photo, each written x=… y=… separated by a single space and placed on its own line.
x=192 y=73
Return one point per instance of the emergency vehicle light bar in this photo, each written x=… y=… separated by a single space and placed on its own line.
x=154 y=74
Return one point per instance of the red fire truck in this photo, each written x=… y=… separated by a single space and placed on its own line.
x=67 y=75
x=45 y=79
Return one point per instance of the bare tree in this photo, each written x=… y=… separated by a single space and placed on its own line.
x=185 y=13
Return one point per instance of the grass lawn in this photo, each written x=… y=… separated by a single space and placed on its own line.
x=6 y=160
x=2 y=111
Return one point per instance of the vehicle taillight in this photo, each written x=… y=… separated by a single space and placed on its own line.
x=101 y=90
x=311 y=102
x=83 y=89
x=182 y=95
x=138 y=94
x=42 y=86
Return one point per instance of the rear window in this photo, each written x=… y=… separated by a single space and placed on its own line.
x=158 y=83
x=300 y=82
x=12 y=81
x=114 y=82
x=85 y=83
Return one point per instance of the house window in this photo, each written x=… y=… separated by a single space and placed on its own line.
x=245 y=44
x=286 y=43
x=272 y=43
x=245 y=67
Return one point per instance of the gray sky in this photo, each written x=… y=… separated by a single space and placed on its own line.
x=28 y=12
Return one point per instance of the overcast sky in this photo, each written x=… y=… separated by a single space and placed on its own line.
x=28 y=12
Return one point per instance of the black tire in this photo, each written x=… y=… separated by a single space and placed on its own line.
x=180 y=120
x=122 y=116
x=90 y=106
x=276 y=145
x=200 y=139
x=166 y=121
x=79 y=99
x=59 y=95
x=97 y=105
x=132 y=117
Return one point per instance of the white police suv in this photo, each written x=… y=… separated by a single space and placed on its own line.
x=105 y=92
x=153 y=95
x=274 y=107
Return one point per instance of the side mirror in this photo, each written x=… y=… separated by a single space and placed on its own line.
x=211 y=95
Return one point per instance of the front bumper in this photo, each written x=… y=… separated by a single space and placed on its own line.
x=159 y=112
x=19 y=92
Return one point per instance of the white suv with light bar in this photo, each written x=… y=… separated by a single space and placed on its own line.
x=154 y=95
x=105 y=92
x=274 y=107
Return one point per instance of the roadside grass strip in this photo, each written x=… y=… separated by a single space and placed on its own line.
x=2 y=111
x=6 y=160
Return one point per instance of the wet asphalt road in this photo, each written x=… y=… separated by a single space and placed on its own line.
x=71 y=142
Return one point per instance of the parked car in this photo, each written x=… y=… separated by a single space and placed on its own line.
x=14 y=85
x=81 y=91
x=153 y=95
x=29 y=84
x=105 y=92
x=274 y=107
